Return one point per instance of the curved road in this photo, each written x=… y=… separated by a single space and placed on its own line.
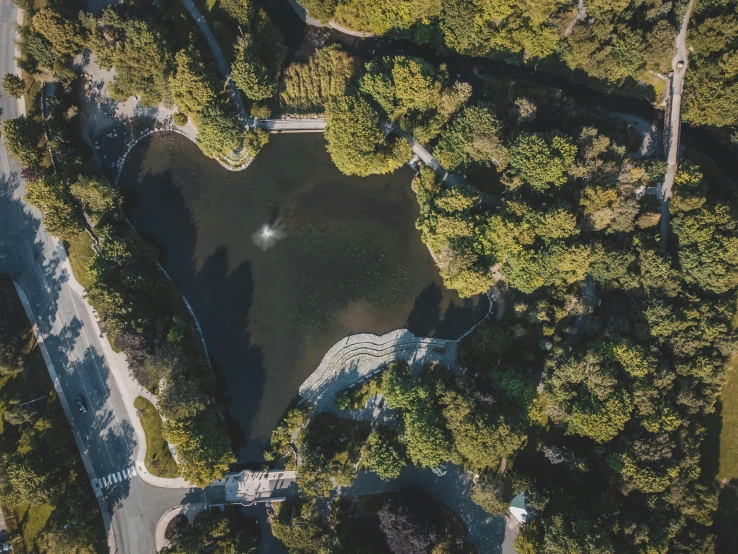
x=37 y=262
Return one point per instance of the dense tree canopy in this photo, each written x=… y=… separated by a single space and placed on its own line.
x=355 y=139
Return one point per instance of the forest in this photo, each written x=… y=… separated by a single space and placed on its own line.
x=617 y=46
x=596 y=389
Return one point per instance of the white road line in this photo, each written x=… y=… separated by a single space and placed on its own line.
x=115 y=479
x=119 y=477
x=105 y=481
x=133 y=471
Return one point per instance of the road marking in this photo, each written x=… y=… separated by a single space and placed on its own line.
x=117 y=477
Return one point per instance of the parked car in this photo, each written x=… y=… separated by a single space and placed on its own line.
x=81 y=405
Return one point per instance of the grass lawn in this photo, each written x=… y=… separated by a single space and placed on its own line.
x=159 y=460
x=43 y=440
x=32 y=522
x=729 y=432
x=80 y=254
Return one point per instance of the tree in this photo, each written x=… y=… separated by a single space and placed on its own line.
x=355 y=140
x=61 y=216
x=406 y=530
x=494 y=493
x=220 y=532
x=542 y=163
x=307 y=87
x=96 y=194
x=14 y=85
x=181 y=397
x=219 y=130
x=472 y=139
x=20 y=483
x=22 y=139
x=385 y=455
x=140 y=55
x=203 y=447
x=298 y=526
x=65 y=35
x=249 y=72
x=322 y=10
x=193 y=86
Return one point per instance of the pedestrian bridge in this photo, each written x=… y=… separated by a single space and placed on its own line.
x=291 y=125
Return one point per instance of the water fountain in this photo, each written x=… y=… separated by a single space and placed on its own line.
x=268 y=235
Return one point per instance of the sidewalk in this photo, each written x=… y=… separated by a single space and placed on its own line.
x=190 y=510
x=129 y=389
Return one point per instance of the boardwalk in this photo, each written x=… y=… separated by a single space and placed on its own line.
x=291 y=125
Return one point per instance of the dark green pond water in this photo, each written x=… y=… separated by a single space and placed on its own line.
x=349 y=260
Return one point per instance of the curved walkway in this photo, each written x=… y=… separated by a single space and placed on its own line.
x=305 y=16
x=190 y=510
x=225 y=70
x=357 y=357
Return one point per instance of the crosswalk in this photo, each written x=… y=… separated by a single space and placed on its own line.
x=115 y=478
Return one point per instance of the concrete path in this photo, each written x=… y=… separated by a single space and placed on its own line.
x=674 y=120
x=220 y=59
x=291 y=125
x=189 y=510
x=356 y=357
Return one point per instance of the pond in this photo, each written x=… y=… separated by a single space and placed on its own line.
x=345 y=258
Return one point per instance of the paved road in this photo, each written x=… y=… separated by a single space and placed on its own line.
x=34 y=259
x=674 y=121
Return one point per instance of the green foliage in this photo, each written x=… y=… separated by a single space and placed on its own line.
x=159 y=460
x=43 y=484
x=13 y=85
x=308 y=87
x=61 y=215
x=385 y=455
x=542 y=163
x=414 y=93
x=329 y=450
x=249 y=72
x=180 y=119
x=281 y=440
x=472 y=138
x=494 y=493
x=22 y=136
x=255 y=140
x=140 y=55
x=219 y=130
x=355 y=140
x=220 y=532
x=707 y=247
x=322 y=10
x=97 y=195
x=299 y=527
x=711 y=81
x=357 y=397
x=65 y=35
x=203 y=448
x=192 y=85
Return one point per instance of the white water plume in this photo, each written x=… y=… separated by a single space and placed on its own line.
x=268 y=235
